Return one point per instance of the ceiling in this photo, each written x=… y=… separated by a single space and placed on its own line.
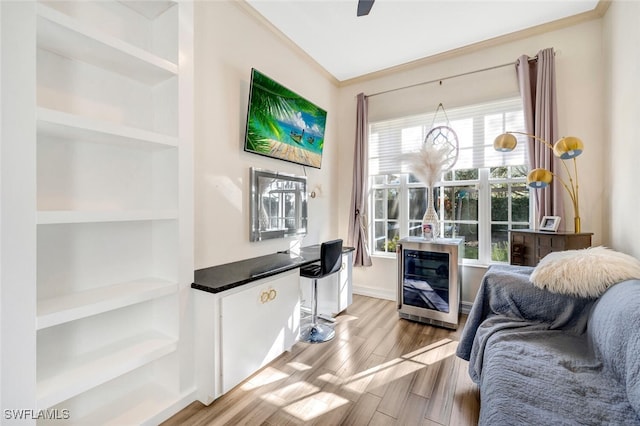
x=400 y=31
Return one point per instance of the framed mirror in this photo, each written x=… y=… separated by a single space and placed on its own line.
x=278 y=205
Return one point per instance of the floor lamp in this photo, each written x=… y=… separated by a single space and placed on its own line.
x=565 y=148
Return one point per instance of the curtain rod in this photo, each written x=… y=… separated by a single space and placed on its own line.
x=448 y=77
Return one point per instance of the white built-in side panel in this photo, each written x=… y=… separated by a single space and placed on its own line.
x=185 y=238
x=346 y=282
x=166 y=39
x=166 y=107
x=206 y=325
x=18 y=209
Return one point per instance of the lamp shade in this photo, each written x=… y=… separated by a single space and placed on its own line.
x=505 y=142
x=568 y=147
x=539 y=178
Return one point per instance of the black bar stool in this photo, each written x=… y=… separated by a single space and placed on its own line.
x=330 y=263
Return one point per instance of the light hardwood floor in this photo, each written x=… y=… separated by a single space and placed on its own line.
x=378 y=370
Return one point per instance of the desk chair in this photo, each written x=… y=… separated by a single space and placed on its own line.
x=330 y=263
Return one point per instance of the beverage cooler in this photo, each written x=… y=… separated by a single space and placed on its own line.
x=429 y=279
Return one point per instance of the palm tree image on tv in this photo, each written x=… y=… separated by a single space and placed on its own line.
x=282 y=124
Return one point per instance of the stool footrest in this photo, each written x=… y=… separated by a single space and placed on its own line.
x=327 y=318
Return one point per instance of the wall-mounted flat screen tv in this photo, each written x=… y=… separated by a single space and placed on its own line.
x=282 y=124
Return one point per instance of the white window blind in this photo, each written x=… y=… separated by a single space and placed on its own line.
x=476 y=127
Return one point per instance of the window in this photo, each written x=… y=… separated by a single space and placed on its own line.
x=483 y=197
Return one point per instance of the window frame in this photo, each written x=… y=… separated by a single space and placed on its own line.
x=485 y=223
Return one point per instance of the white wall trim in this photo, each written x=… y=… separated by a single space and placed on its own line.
x=374 y=292
x=187 y=397
x=465 y=307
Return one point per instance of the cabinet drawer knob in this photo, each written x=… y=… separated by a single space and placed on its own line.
x=268 y=295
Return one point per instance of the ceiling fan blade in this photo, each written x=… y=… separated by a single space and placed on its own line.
x=364 y=7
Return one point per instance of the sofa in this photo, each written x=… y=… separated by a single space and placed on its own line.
x=546 y=358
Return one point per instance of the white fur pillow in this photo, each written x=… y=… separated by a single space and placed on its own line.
x=584 y=273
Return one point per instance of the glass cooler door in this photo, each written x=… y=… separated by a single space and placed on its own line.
x=425 y=281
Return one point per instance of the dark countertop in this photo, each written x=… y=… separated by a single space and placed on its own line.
x=216 y=279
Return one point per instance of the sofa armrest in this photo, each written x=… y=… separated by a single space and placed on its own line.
x=507 y=292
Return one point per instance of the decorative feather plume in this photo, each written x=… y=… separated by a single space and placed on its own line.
x=427 y=164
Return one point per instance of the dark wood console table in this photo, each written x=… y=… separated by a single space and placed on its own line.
x=528 y=246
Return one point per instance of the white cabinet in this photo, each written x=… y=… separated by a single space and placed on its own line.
x=335 y=292
x=102 y=111
x=238 y=331
x=257 y=325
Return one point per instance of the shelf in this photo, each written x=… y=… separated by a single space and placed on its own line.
x=65 y=36
x=105 y=102
x=150 y=9
x=142 y=405
x=52 y=217
x=138 y=406
x=83 y=304
x=70 y=126
x=61 y=382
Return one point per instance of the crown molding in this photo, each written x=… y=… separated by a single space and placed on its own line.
x=598 y=12
x=602 y=7
x=246 y=7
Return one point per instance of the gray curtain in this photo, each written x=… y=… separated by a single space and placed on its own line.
x=357 y=215
x=536 y=77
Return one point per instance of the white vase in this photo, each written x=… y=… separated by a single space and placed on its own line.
x=430 y=220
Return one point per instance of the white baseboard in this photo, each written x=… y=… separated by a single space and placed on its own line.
x=375 y=292
x=186 y=398
x=465 y=307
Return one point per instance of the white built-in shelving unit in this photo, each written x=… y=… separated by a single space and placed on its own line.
x=99 y=148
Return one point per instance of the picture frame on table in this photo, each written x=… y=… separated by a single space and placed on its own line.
x=550 y=223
